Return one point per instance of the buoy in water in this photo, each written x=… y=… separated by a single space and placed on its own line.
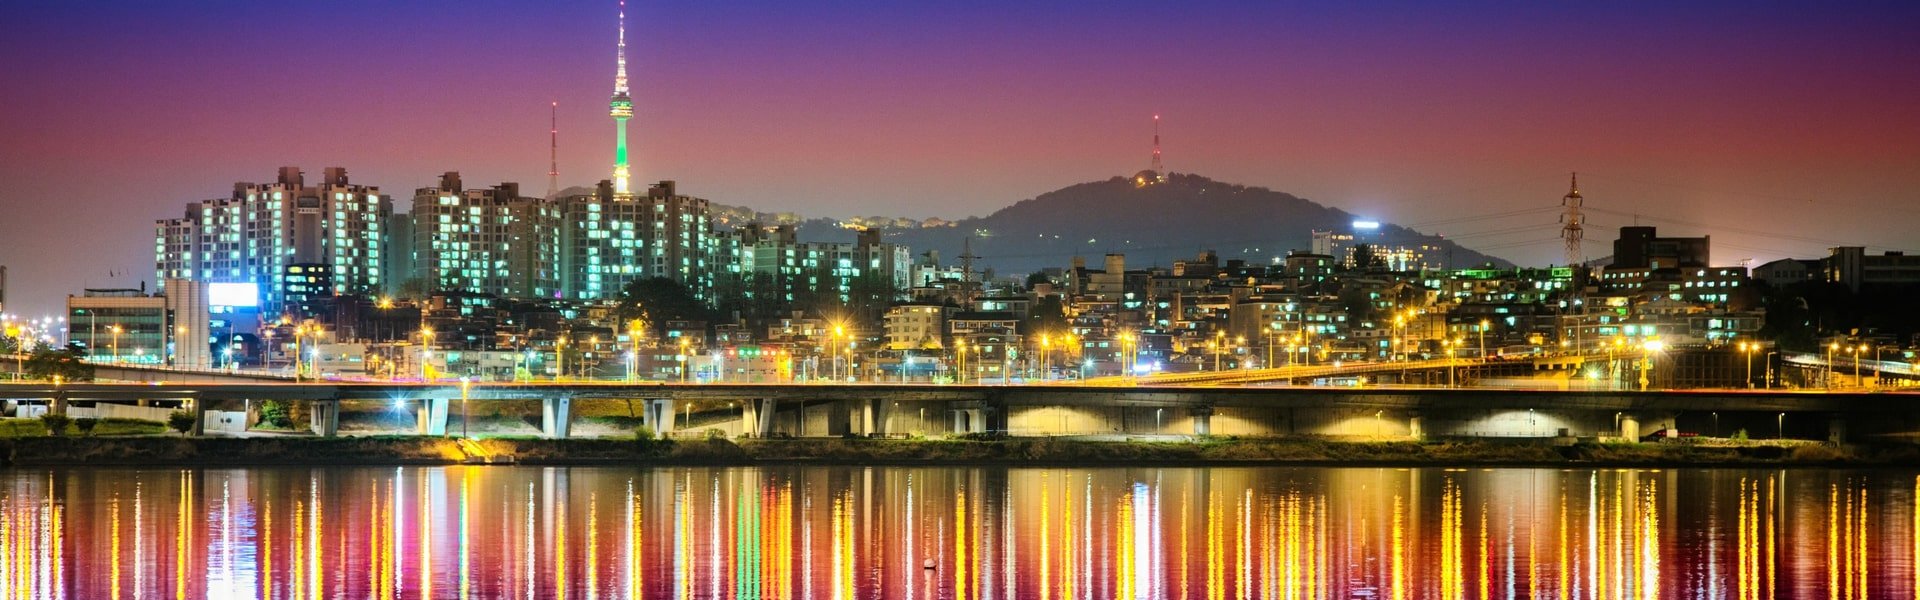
x=927 y=565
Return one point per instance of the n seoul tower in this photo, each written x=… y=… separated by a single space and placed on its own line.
x=622 y=109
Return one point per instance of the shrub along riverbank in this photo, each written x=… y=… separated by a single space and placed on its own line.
x=414 y=450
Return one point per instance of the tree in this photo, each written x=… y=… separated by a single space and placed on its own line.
x=66 y=363
x=56 y=424
x=1364 y=258
x=1037 y=278
x=85 y=425
x=1049 y=316
x=274 y=413
x=658 y=300
x=868 y=296
x=181 y=421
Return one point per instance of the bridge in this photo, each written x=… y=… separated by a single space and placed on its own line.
x=1445 y=369
x=112 y=371
x=760 y=410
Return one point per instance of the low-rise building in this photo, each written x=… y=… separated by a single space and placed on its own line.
x=132 y=326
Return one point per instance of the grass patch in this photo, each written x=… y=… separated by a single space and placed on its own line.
x=104 y=427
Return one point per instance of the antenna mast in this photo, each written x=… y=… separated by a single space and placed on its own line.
x=1157 y=167
x=966 y=267
x=553 y=151
x=1571 y=228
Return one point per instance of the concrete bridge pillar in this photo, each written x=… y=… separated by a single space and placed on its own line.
x=969 y=420
x=1837 y=429
x=756 y=417
x=432 y=417
x=325 y=415
x=660 y=416
x=1203 y=420
x=872 y=418
x=881 y=412
x=556 y=416
x=198 y=407
x=1417 y=427
x=839 y=418
x=1630 y=426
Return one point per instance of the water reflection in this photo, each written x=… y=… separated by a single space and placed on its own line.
x=962 y=533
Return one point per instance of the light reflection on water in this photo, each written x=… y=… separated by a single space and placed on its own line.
x=988 y=533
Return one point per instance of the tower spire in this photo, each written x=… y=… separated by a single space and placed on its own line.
x=553 y=150
x=620 y=55
x=1572 y=223
x=1157 y=167
x=621 y=108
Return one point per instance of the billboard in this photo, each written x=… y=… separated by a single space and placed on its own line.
x=242 y=295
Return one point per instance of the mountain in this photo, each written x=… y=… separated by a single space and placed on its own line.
x=1153 y=225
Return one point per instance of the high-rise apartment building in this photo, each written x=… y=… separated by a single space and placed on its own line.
x=255 y=235
x=607 y=239
x=484 y=241
x=769 y=259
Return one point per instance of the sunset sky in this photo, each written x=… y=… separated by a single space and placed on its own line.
x=1779 y=129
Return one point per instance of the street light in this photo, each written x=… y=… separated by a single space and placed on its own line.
x=634 y=329
x=1748 y=349
x=465 y=386
x=1856 y=363
x=1769 y=370
x=683 y=360
x=839 y=333
x=116 y=342
x=426 y=350
x=1651 y=348
x=1046 y=357
x=1484 y=324
x=1832 y=347
x=960 y=361
x=1239 y=348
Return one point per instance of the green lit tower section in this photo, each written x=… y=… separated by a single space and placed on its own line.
x=622 y=109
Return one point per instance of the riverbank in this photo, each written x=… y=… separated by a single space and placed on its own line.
x=414 y=450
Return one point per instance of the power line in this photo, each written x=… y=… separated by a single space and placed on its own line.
x=1739 y=230
x=1485 y=217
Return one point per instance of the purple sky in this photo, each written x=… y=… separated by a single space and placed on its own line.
x=1780 y=129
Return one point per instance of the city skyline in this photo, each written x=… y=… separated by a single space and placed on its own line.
x=1382 y=132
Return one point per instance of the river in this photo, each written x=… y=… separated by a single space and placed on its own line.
x=957 y=532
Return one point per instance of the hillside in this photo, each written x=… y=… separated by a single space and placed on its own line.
x=1152 y=225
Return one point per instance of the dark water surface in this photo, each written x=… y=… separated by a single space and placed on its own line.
x=831 y=532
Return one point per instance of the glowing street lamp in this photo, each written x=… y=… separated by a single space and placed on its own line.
x=960 y=360
x=634 y=329
x=1652 y=348
x=466 y=386
x=426 y=350
x=1748 y=349
x=1484 y=324
x=1831 y=348
x=683 y=360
